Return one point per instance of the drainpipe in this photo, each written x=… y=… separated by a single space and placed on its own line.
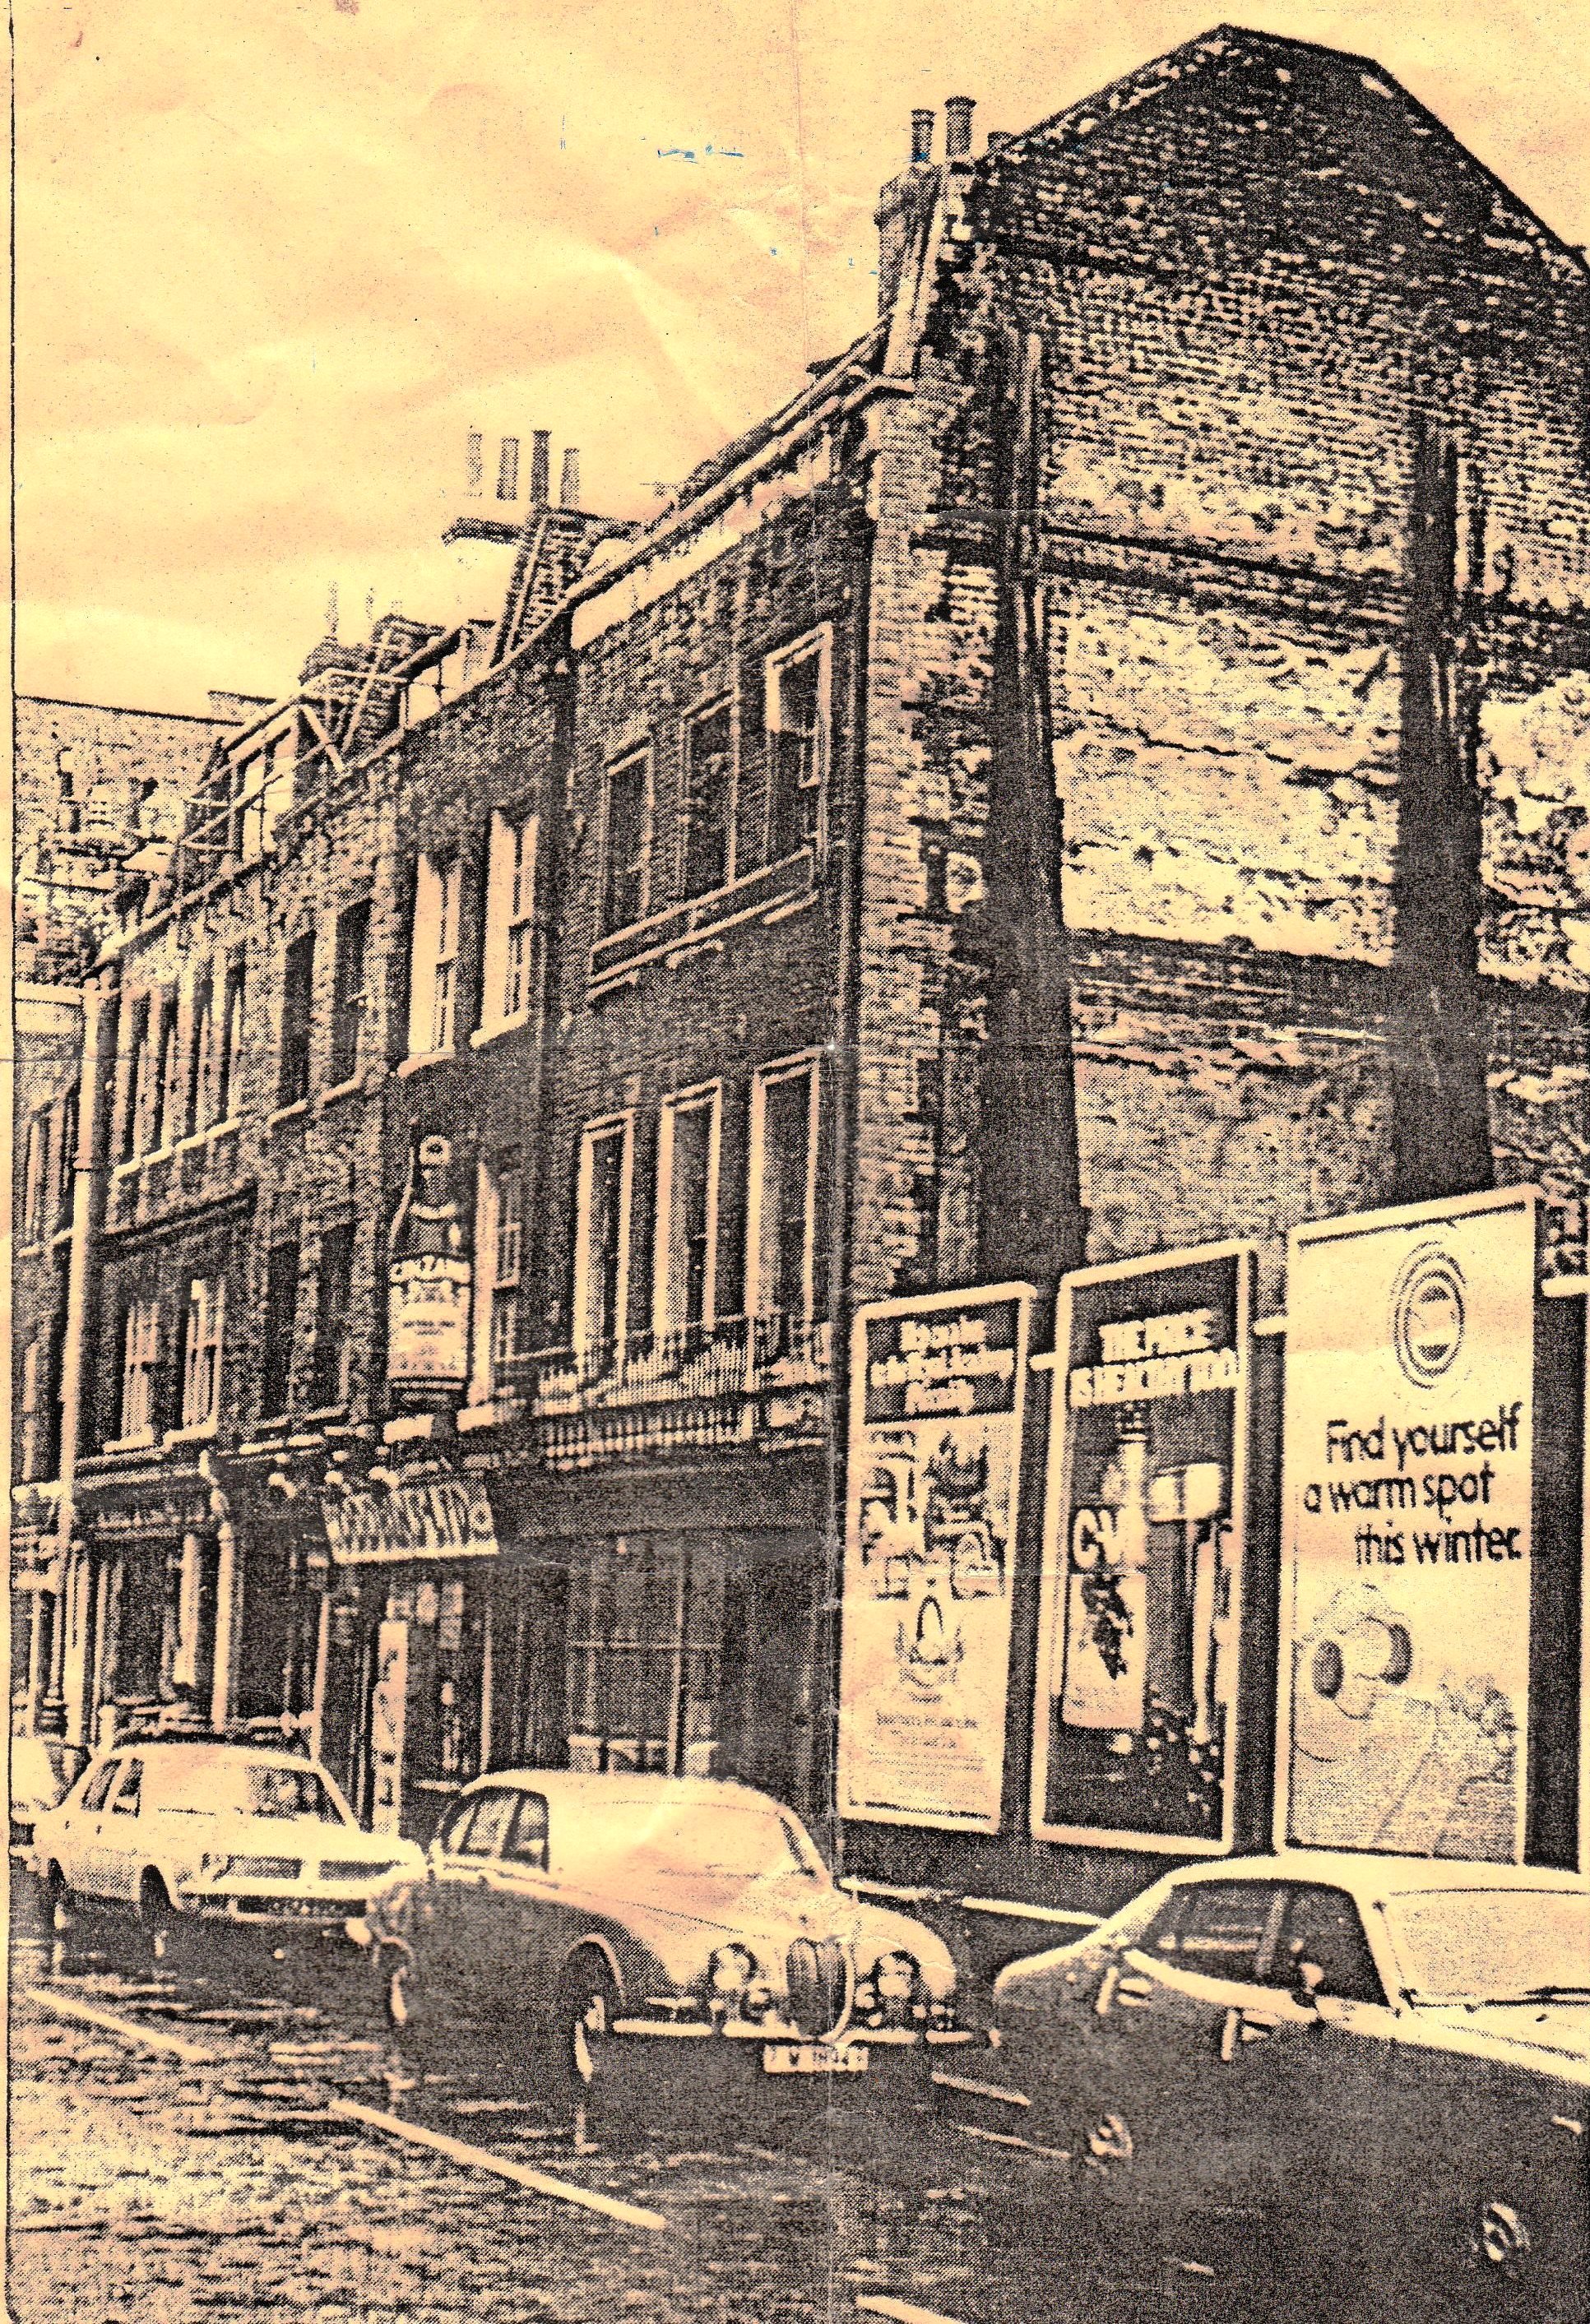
x=99 y=996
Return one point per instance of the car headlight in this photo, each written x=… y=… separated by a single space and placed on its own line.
x=731 y=1970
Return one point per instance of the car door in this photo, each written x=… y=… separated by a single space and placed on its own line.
x=124 y=1846
x=78 y=1845
x=464 y=1938
x=1315 y=2068
x=532 y=1921
x=1164 y=2018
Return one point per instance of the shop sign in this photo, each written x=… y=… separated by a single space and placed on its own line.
x=1134 y=1710
x=428 y=1322
x=937 y=1390
x=443 y=1517
x=1406 y=1547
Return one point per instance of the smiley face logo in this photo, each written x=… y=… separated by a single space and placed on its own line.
x=1427 y=1315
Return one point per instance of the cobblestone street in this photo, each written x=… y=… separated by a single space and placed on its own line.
x=214 y=2180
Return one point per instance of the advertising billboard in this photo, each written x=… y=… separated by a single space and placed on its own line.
x=1141 y=1581
x=1407 y=1544
x=938 y=1387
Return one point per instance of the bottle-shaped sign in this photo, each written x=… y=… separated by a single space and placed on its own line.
x=428 y=1281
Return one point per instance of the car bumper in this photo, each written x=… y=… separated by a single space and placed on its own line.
x=777 y=2051
x=253 y=1910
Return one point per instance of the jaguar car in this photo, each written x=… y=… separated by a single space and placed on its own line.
x=178 y=1833
x=630 y=1913
x=1351 y=2080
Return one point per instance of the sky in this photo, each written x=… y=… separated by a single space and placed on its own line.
x=275 y=258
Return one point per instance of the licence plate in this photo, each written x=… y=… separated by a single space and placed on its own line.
x=813 y=2057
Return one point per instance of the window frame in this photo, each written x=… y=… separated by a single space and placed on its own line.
x=140 y=1369
x=295 y=1076
x=435 y=918
x=203 y=1341
x=808 y=1064
x=330 y=1378
x=350 y=997
x=816 y=644
x=641 y=758
x=281 y=1343
x=713 y=705
x=605 y=1127
x=508 y=946
x=703 y=1097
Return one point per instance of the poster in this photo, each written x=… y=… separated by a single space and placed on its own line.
x=1143 y=1553
x=937 y=1388
x=1407 y=1539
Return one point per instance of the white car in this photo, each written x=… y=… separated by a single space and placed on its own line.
x=173 y=1832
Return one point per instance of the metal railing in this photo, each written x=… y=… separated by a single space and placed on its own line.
x=652 y=1390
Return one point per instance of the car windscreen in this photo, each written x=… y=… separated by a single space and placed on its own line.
x=713 y=1837
x=287 y=1792
x=1490 y=1944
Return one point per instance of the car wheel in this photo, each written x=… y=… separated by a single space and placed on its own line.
x=59 y=1902
x=157 y=1917
x=588 y=2005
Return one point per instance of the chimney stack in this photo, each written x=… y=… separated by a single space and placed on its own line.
x=998 y=137
x=569 y=482
x=958 y=127
x=540 y=467
x=508 y=469
x=473 y=469
x=922 y=134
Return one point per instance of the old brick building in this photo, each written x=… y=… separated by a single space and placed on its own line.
x=1103 y=769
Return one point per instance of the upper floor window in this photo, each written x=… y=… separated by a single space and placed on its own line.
x=685 y=1282
x=348 y=997
x=333 y=1297
x=298 y=1001
x=510 y=903
x=135 y=1052
x=707 y=803
x=623 y=860
x=601 y=1239
x=201 y=1352
x=499 y=1246
x=226 y=1042
x=797 y=744
x=265 y=789
x=433 y=955
x=783 y=1189
x=281 y=1326
x=140 y=1359
x=198 y=1063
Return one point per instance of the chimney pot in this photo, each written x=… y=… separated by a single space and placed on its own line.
x=568 y=483
x=958 y=127
x=922 y=134
x=540 y=467
x=473 y=469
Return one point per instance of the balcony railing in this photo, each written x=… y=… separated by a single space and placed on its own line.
x=766 y=888
x=714 y=1384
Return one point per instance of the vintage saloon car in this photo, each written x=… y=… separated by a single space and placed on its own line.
x=1356 y=2078
x=178 y=1832
x=620 y=1910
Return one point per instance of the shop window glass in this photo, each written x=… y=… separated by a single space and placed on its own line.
x=645 y=1644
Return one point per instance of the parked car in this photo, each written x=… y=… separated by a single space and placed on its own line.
x=650 y=1911
x=181 y=1831
x=1365 y=2079
x=42 y=1770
